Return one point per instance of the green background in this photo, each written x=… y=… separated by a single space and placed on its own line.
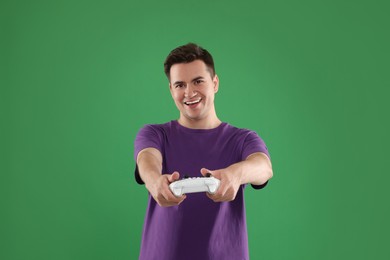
x=79 y=78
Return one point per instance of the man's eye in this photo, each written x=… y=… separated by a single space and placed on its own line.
x=179 y=85
x=197 y=82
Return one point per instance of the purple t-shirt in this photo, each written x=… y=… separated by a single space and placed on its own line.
x=198 y=228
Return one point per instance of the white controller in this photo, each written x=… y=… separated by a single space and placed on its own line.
x=196 y=184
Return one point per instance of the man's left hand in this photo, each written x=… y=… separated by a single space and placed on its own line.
x=228 y=187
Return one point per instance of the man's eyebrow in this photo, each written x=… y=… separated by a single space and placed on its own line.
x=178 y=82
x=195 y=79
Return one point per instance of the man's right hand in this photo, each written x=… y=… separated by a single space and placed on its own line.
x=159 y=189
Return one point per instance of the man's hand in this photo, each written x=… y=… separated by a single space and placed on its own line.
x=159 y=189
x=228 y=187
x=255 y=169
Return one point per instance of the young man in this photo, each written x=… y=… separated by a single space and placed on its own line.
x=197 y=225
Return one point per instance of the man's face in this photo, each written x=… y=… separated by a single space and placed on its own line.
x=193 y=90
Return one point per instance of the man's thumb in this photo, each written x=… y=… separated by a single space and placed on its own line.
x=205 y=172
x=174 y=177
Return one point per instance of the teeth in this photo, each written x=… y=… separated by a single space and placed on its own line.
x=192 y=102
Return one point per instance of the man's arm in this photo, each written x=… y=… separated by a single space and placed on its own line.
x=256 y=170
x=149 y=163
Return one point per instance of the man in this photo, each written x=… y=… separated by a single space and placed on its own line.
x=197 y=225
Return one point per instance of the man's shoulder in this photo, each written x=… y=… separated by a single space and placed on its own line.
x=161 y=131
x=159 y=127
x=237 y=130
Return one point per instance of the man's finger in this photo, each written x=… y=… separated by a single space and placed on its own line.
x=167 y=199
x=171 y=197
x=213 y=197
x=206 y=172
x=173 y=177
x=218 y=196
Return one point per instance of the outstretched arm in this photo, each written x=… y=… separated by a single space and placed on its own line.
x=256 y=170
x=149 y=163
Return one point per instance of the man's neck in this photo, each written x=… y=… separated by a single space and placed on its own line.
x=199 y=124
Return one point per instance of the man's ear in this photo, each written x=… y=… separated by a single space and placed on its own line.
x=216 y=83
x=170 y=89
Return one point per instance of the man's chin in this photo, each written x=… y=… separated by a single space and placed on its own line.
x=191 y=117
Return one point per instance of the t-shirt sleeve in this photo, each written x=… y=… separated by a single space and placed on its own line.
x=147 y=137
x=254 y=144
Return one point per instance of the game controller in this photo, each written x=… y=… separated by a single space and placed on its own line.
x=195 y=184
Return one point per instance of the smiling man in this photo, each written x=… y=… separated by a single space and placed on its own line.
x=193 y=90
x=197 y=225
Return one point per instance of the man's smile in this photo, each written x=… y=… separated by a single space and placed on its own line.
x=188 y=103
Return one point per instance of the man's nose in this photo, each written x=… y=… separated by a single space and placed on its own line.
x=189 y=92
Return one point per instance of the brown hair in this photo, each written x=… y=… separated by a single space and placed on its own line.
x=188 y=53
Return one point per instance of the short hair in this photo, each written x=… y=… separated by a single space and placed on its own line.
x=186 y=54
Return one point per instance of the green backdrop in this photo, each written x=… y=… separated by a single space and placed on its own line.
x=79 y=78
